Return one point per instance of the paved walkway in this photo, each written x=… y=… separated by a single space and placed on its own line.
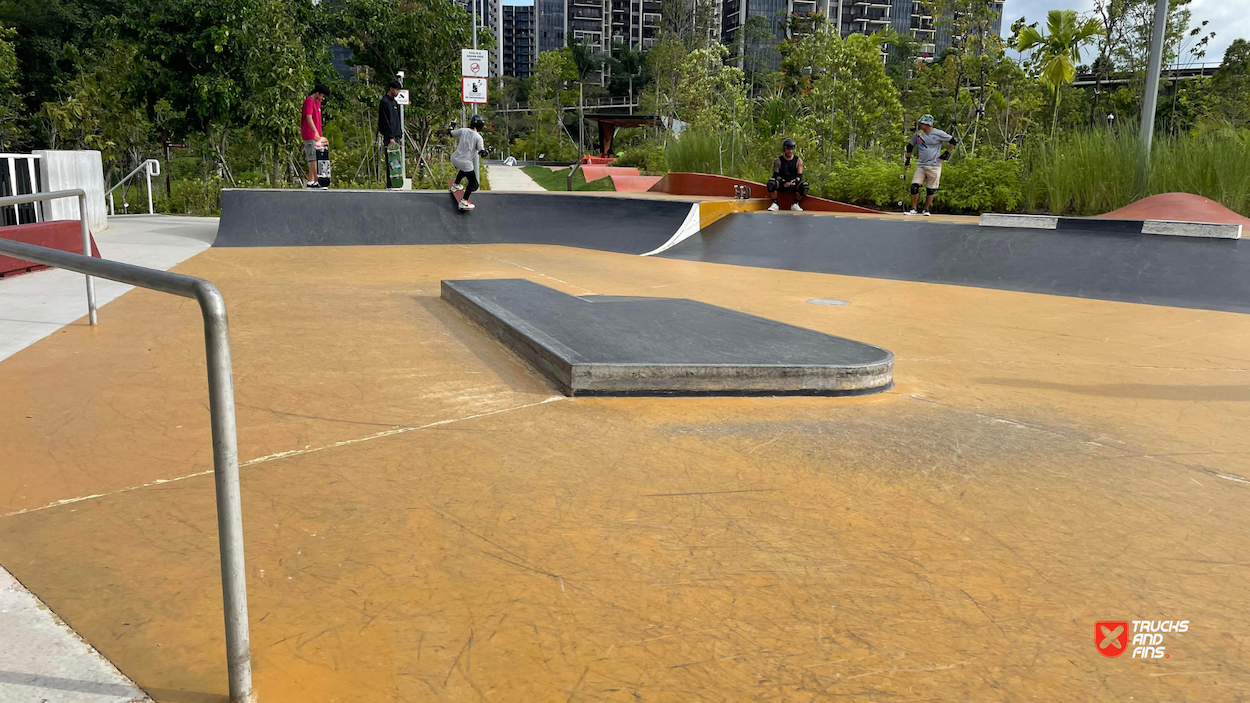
x=511 y=178
x=42 y=660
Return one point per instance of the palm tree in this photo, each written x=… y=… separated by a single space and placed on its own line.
x=1059 y=49
x=586 y=60
x=630 y=62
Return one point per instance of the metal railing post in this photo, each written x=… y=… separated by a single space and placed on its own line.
x=229 y=496
x=151 y=167
x=221 y=412
x=147 y=173
x=86 y=250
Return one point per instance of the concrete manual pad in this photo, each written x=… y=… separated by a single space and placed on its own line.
x=622 y=345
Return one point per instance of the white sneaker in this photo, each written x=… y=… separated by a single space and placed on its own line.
x=795 y=207
x=925 y=213
x=465 y=205
x=911 y=212
x=773 y=208
x=457 y=188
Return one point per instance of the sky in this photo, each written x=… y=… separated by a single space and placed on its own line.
x=1228 y=18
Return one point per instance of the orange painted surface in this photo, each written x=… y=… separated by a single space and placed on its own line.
x=65 y=235
x=1182 y=207
x=428 y=520
x=633 y=184
x=723 y=186
x=594 y=173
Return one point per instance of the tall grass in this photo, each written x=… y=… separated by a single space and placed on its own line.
x=705 y=151
x=1089 y=173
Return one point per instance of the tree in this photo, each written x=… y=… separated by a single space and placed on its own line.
x=1231 y=83
x=49 y=37
x=664 y=63
x=712 y=94
x=275 y=77
x=628 y=66
x=422 y=39
x=842 y=89
x=1060 y=49
x=692 y=22
x=547 y=101
x=11 y=109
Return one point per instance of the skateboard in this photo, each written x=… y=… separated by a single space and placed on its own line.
x=394 y=167
x=323 y=166
x=458 y=196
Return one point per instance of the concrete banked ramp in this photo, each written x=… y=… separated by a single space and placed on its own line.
x=266 y=217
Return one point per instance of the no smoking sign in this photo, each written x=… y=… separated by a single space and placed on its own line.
x=474 y=63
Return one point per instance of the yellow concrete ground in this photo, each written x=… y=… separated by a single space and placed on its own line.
x=426 y=519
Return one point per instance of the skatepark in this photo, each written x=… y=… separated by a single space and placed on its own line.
x=1001 y=436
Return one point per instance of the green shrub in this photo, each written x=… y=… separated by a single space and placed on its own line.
x=976 y=184
x=192 y=197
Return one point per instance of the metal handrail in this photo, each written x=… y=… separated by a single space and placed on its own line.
x=148 y=167
x=86 y=230
x=221 y=412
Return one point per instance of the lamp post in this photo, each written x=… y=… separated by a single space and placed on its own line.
x=1151 y=97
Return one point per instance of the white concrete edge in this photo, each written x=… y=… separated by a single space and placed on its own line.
x=688 y=229
x=56 y=656
x=1191 y=229
x=990 y=219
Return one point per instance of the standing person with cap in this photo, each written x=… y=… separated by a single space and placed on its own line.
x=310 y=130
x=470 y=144
x=390 y=127
x=787 y=176
x=929 y=166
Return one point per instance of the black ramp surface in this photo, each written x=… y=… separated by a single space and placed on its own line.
x=1210 y=274
x=613 y=344
x=270 y=217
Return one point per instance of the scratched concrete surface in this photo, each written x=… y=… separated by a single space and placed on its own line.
x=426 y=519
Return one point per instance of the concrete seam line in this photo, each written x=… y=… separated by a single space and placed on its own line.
x=293 y=452
x=1191 y=229
x=688 y=229
x=990 y=219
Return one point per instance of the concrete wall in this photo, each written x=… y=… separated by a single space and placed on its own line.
x=59 y=170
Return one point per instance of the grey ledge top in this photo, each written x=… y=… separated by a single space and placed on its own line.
x=631 y=345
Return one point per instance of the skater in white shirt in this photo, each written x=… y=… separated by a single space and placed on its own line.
x=471 y=144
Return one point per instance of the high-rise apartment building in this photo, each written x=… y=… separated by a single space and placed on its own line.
x=602 y=24
x=519 y=47
x=549 y=24
x=736 y=13
x=907 y=17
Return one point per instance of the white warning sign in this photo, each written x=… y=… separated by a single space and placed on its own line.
x=475 y=63
x=473 y=90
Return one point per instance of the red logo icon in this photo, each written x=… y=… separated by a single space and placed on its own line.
x=1111 y=637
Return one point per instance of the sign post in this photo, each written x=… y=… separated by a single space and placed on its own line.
x=402 y=100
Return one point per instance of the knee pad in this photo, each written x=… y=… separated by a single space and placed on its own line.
x=802 y=189
x=915 y=189
x=930 y=191
x=772 y=184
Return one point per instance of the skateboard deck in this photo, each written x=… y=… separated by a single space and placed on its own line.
x=456 y=195
x=394 y=167
x=323 y=166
